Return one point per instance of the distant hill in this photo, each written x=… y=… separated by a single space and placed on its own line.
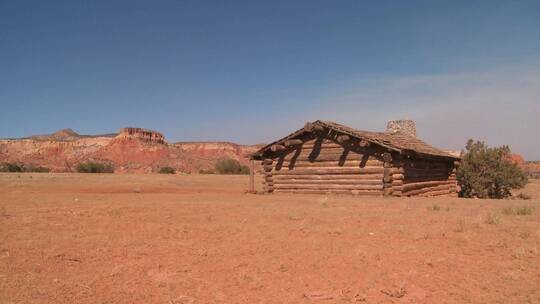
x=133 y=150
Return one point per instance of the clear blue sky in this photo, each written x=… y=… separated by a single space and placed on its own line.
x=251 y=71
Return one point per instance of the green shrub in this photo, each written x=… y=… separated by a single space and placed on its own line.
x=94 y=167
x=167 y=170
x=11 y=167
x=14 y=167
x=487 y=172
x=230 y=166
x=38 y=169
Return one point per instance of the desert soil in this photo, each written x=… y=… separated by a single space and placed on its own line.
x=69 y=238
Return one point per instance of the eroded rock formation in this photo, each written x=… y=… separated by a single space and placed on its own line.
x=142 y=134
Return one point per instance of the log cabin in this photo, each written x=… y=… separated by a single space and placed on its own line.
x=325 y=157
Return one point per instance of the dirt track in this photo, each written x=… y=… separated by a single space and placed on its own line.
x=200 y=239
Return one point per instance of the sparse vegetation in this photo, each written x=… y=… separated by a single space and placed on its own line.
x=488 y=173
x=15 y=167
x=508 y=211
x=230 y=166
x=38 y=169
x=94 y=167
x=434 y=207
x=206 y=171
x=493 y=218
x=524 y=210
x=11 y=167
x=167 y=170
x=523 y=196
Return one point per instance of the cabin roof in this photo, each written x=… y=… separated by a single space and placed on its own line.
x=401 y=143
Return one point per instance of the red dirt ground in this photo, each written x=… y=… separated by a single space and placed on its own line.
x=68 y=238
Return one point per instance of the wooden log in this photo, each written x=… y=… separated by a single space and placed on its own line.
x=329 y=146
x=397 y=188
x=397 y=170
x=377 y=177
x=397 y=193
x=424 y=190
x=397 y=182
x=267 y=161
x=329 y=163
x=426 y=177
x=397 y=176
x=325 y=157
x=251 y=176
x=333 y=191
x=387 y=178
x=387 y=191
x=277 y=148
x=293 y=142
x=435 y=193
x=328 y=186
x=387 y=175
x=311 y=127
x=424 y=170
x=364 y=143
x=329 y=170
x=343 y=138
x=419 y=185
x=325 y=150
x=329 y=181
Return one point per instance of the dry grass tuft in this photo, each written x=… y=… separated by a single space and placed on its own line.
x=524 y=210
x=493 y=219
x=434 y=207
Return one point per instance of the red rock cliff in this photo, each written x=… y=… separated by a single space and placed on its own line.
x=133 y=150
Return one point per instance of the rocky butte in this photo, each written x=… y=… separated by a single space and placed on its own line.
x=133 y=150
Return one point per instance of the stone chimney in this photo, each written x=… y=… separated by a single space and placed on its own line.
x=404 y=126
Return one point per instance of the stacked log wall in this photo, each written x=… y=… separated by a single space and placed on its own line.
x=321 y=165
x=419 y=177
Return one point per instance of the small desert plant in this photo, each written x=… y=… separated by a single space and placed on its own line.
x=3 y=211
x=11 y=167
x=434 y=207
x=38 y=169
x=94 y=167
x=523 y=196
x=508 y=211
x=493 y=219
x=167 y=170
x=524 y=210
x=487 y=172
x=230 y=166
x=206 y=171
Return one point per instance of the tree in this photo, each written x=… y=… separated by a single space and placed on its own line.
x=487 y=172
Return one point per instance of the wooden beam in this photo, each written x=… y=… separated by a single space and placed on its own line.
x=364 y=143
x=343 y=138
x=311 y=127
x=251 y=176
x=293 y=142
x=277 y=148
